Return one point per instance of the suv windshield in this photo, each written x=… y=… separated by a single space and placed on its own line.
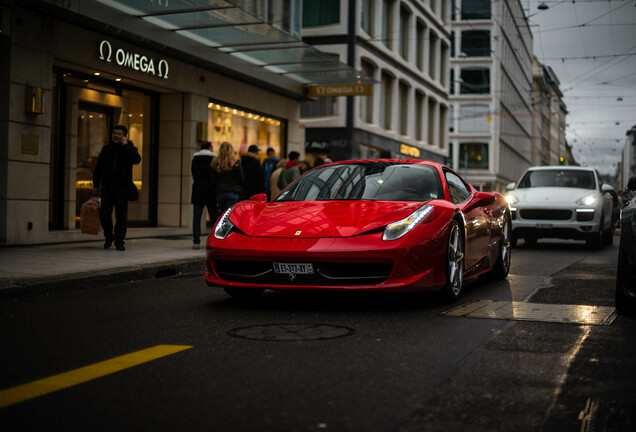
x=374 y=181
x=558 y=178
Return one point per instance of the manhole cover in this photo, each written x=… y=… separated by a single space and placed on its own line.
x=291 y=332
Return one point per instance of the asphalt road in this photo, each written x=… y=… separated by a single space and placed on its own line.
x=321 y=361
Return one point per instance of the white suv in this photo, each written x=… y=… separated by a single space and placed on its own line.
x=561 y=202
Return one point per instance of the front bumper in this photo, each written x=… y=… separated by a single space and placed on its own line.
x=554 y=222
x=363 y=263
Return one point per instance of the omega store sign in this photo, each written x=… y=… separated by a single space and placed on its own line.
x=110 y=53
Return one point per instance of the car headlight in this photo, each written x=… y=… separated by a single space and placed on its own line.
x=224 y=226
x=587 y=200
x=511 y=199
x=397 y=229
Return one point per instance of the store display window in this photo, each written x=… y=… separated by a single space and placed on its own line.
x=243 y=128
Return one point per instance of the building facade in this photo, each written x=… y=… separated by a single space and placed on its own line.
x=403 y=45
x=174 y=73
x=490 y=94
x=549 y=146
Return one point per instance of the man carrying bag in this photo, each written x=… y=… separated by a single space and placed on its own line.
x=113 y=178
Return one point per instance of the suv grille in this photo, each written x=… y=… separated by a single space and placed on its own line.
x=546 y=214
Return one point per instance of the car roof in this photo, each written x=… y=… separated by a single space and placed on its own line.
x=560 y=167
x=397 y=161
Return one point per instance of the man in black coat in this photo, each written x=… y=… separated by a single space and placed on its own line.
x=254 y=177
x=113 y=178
x=203 y=194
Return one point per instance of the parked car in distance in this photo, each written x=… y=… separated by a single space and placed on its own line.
x=388 y=225
x=626 y=272
x=565 y=202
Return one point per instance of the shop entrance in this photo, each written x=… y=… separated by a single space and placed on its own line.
x=86 y=108
x=94 y=124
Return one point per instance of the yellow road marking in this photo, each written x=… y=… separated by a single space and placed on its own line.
x=61 y=381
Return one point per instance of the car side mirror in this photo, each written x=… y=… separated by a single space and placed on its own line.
x=511 y=186
x=607 y=188
x=631 y=184
x=481 y=199
x=261 y=198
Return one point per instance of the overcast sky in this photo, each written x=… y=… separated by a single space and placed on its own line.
x=591 y=46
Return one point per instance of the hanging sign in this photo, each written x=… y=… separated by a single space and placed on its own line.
x=331 y=90
x=132 y=60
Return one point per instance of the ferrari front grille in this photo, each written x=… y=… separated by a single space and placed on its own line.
x=325 y=273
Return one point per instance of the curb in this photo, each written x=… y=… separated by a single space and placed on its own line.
x=14 y=290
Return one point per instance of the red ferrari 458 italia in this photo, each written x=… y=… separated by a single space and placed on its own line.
x=372 y=225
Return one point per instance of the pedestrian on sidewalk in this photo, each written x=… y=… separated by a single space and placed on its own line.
x=273 y=180
x=203 y=193
x=290 y=172
x=228 y=177
x=251 y=164
x=112 y=179
x=269 y=165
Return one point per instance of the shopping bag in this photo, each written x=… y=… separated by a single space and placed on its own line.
x=89 y=215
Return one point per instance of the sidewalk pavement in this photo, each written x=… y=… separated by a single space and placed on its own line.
x=27 y=271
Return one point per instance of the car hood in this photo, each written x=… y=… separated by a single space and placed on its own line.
x=551 y=194
x=311 y=219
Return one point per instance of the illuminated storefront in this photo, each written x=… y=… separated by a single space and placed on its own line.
x=243 y=128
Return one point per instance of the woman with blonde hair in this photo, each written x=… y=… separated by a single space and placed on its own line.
x=228 y=177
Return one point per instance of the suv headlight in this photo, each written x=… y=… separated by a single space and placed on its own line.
x=398 y=229
x=224 y=226
x=587 y=200
x=511 y=199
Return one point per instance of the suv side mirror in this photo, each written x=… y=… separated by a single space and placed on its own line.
x=511 y=186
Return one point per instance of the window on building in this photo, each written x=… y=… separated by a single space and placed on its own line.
x=432 y=110
x=475 y=9
x=432 y=55
x=443 y=121
x=473 y=156
x=387 y=100
x=476 y=43
x=420 y=32
x=443 y=72
x=387 y=23
x=366 y=102
x=368 y=9
x=405 y=18
x=452 y=41
x=419 y=115
x=451 y=120
x=452 y=81
x=404 y=107
x=321 y=107
x=283 y=15
x=473 y=118
x=453 y=8
x=324 y=12
x=475 y=81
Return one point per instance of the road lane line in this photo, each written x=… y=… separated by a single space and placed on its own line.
x=21 y=393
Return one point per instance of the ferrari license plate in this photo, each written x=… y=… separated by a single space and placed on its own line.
x=293 y=268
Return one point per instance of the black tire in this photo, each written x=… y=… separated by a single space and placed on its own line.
x=454 y=264
x=608 y=236
x=596 y=240
x=502 y=266
x=513 y=241
x=624 y=304
x=244 y=293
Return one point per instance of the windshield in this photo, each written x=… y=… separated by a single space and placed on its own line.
x=373 y=181
x=558 y=178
